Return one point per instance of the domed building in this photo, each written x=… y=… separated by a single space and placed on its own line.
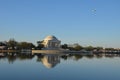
x=51 y=42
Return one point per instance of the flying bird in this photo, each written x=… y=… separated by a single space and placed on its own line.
x=94 y=11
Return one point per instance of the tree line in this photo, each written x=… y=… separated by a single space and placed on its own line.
x=78 y=47
x=15 y=45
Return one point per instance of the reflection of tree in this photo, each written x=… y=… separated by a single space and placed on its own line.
x=98 y=55
x=52 y=60
x=4 y=56
x=11 y=58
x=39 y=58
x=72 y=56
x=64 y=57
x=118 y=55
x=89 y=56
x=110 y=55
x=77 y=57
x=24 y=57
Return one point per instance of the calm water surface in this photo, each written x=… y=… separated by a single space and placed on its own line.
x=60 y=67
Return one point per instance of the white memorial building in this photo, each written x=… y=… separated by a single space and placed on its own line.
x=51 y=42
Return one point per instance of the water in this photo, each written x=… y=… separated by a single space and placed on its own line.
x=60 y=67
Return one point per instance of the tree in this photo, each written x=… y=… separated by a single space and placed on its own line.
x=109 y=48
x=78 y=47
x=64 y=46
x=98 y=48
x=26 y=45
x=89 y=48
x=71 y=48
x=40 y=45
x=12 y=44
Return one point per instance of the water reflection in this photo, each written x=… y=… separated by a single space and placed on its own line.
x=12 y=57
x=51 y=60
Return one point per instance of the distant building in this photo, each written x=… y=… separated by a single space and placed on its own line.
x=3 y=45
x=51 y=42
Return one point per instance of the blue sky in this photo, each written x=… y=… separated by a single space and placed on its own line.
x=87 y=22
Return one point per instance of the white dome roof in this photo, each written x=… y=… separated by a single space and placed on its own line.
x=51 y=38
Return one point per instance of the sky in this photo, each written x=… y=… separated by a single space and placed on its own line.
x=87 y=22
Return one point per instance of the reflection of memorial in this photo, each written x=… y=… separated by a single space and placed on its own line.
x=50 y=61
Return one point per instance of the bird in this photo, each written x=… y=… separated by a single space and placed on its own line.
x=94 y=11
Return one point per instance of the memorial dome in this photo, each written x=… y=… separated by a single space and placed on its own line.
x=51 y=42
x=53 y=38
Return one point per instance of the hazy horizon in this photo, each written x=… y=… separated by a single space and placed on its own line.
x=87 y=22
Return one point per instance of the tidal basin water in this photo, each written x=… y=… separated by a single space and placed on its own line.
x=60 y=67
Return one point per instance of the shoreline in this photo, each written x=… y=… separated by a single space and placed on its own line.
x=57 y=51
x=9 y=51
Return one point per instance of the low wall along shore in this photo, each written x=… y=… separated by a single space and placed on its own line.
x=47 y=51
x=10 y=51
x=56 y=51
